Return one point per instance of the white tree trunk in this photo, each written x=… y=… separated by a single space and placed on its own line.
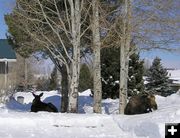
x=96 y=58
x=75 y=68
x=73 y=91
x=123 y=78
x=124 y=57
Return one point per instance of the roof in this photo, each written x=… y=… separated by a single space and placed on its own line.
x=6 y=51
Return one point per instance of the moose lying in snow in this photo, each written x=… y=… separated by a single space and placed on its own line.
x=140 y=104
x=37 y=105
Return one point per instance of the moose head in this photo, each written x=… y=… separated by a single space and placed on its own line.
x=38 y=105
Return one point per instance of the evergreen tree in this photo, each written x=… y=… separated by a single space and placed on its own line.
x=85 y=78
x=158 y=81
x=110 y=65
x=136 y=72
x=110 y=72
x=53 y=80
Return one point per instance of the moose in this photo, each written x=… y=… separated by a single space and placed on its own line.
x=140 y=104
x=38 y=105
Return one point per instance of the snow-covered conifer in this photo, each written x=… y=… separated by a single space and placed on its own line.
x=158 y=80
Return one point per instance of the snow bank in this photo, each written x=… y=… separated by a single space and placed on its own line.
x=28 y=97
x=17 y=122
x=152 y=125
x=51 y=125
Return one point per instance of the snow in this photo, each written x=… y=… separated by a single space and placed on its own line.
x=16 y=120
x=174 y=75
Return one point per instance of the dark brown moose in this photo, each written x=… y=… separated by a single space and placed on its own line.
x=140 y=104
x=37 y=105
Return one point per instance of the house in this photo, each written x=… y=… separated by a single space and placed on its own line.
x=12 y=67
x=17 y=72
x=174 y=75
x=7 y=60
x=7 y=55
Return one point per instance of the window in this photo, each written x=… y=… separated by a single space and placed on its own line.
x=3 y=68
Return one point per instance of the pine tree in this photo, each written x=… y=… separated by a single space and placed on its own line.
x=158 y=81
x=110 y=73
x=85 y=78
x=136 y=72
x=53 y=80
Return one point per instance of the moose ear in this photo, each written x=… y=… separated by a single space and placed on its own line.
x=151 y=96
x=33 y=94
x=41 y=94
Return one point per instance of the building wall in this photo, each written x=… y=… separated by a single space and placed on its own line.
x=8 y=81
x=23 y=72
x=14 y=76
x=19 y=68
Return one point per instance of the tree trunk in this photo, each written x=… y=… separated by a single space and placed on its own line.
x=75 y=65
x=74 y=81
x=25 y=73
x=123 y=79
x=73 y=91
x=64 y=90
x=124 y=56
x=96 y=59
x=62 y=68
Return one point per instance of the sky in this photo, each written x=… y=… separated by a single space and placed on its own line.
x=5 y=7
x=169 y=59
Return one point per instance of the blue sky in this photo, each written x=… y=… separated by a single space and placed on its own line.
x=5 y=7
x=169 y=59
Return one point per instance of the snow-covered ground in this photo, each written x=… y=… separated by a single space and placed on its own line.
x=16 y=120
